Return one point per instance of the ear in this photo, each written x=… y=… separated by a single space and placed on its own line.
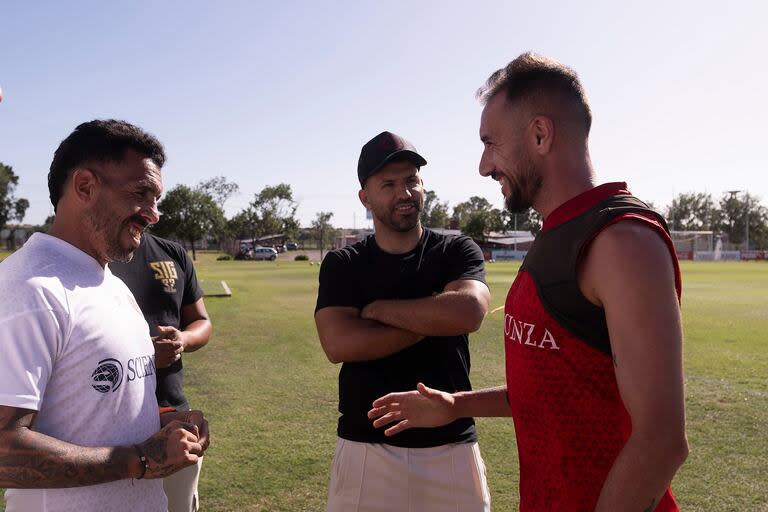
x=84 y=185
x=542 y=135
x=363 y=196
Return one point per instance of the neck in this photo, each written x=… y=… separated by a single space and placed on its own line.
x=76 y=234
x=564 y=180
x=397 y=242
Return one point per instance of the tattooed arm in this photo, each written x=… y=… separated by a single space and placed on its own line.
x=29 y=459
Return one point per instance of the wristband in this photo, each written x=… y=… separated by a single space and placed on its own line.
x=142 y=461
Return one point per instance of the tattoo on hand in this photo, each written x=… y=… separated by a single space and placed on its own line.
x=155 y=448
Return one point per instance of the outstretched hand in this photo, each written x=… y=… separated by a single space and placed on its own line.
x=425 y=407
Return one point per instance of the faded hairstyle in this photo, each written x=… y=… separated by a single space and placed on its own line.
x=541 y=83
x=99 y=141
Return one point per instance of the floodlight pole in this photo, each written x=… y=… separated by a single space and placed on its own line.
x=733 y=193
x=746 y=227
x=515 y=248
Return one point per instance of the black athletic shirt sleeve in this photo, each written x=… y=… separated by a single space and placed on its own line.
x=337 y=287
x=192 y=290
x=467 y=260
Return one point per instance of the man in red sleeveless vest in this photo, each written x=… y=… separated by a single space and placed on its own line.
x=592 y=325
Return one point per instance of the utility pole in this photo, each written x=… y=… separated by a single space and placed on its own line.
x=515 y=232
x=733 y=194
x=746 y=227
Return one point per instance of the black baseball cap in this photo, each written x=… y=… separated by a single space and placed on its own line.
x=384 y=148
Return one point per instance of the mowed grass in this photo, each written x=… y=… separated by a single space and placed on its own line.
x=270 y=395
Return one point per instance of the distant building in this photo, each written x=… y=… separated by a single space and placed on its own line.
x=507 y=245
x=350 y=237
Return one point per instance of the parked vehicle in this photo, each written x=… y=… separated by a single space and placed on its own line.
x=264 y=253
x=245 y=253
x=291 y=246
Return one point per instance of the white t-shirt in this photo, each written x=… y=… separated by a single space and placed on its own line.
x=74 y=346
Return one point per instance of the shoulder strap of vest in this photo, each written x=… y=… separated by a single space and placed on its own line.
x=553 y=260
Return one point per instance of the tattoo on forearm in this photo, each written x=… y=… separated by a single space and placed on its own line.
x=33 y=460
x=650 y=508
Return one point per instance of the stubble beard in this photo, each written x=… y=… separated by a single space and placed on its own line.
x=399 y=223
x=527 y=186
x=106 y=228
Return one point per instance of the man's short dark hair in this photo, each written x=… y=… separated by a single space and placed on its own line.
x=99 y=141
x=538 y=80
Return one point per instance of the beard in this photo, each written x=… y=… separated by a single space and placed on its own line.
x=397 y=222
x=107 y=228
x=527 y=185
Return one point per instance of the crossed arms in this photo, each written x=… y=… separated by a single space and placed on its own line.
x=627 y=271
x=385 y=327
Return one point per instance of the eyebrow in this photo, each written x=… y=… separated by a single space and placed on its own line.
x=149 y=184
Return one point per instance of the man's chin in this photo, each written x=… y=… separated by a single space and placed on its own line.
x=516 y=205
x=123 y=253
x=404 y=227
x=122 y=256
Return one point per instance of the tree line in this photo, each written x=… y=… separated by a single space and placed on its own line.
x=192 y=213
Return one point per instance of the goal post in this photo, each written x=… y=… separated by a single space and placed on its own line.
x=691 y=245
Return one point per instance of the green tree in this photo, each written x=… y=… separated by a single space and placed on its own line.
x=322 y=230
x=11 y=208
x=219 y=189
x=272 y=211
x=742 y=215
x=529 y=220
x=692 y=211
x=476 y=217
x=189 y=215
x=435 y=213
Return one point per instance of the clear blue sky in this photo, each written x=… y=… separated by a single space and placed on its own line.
x=269 y=92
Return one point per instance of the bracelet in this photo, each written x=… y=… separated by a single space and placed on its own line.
x=142 y=461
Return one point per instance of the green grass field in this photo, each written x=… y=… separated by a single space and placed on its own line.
x=270 y=394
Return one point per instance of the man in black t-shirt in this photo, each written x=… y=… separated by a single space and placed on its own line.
x=162 y=278
x=395 y=309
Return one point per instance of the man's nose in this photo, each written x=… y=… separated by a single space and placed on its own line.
x=485 y=167
x=151 y=213
x=405 y=192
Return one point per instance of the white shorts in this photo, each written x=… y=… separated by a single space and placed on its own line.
x=368 y=477
x=181 y=489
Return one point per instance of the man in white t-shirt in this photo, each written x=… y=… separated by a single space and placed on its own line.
x=80 y=428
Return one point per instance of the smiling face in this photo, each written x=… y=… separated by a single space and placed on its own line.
x=125 y=206
x=395 y=195
x=506 y=157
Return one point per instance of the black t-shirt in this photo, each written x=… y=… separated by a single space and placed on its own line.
x=162 y=278
x=362 y=273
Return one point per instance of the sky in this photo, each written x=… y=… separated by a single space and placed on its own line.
x=266 y=92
